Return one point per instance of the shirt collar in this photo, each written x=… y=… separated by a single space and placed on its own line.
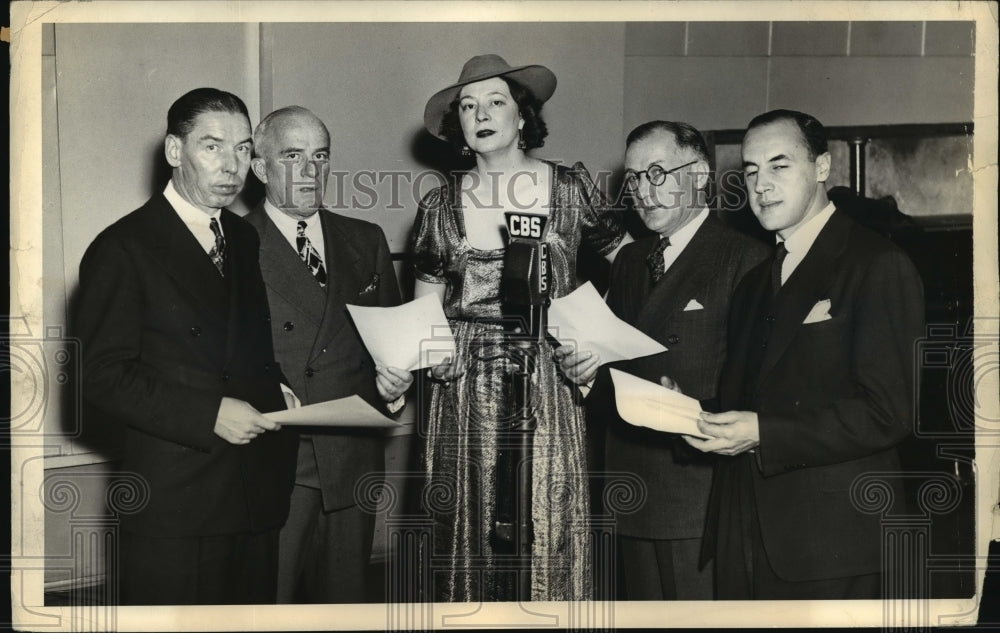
x=286 y=223
x=802 y=239
x=683 y=235
x=189 y=213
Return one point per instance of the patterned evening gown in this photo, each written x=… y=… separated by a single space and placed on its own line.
x=463 y=417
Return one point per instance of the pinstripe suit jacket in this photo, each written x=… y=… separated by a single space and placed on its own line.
x=676 y=478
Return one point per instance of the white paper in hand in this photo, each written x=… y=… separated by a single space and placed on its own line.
x=351 y=411
x=645 y=403
x=581 y=318
x=412 y=336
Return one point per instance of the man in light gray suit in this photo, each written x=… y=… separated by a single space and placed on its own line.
x=314 y=262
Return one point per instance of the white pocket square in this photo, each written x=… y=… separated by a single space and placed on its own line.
x=693 y=305
x=819 y=312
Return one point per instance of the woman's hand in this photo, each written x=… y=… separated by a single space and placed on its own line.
x=579 y=367
x=446 y=370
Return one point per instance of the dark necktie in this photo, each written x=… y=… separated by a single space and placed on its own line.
x=779 y=257
x=218 y=252
x=309 y=255
x=655 y=259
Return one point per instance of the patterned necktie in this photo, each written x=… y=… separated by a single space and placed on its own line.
x=218 y=252
x=309 y=255
x=655 y=260
x=779 y=257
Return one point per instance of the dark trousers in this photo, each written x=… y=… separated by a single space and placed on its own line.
x=664 y=569
x=743 y=571
x=325 y=556
x=227 y=569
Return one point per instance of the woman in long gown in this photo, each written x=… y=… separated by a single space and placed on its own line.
x=458 y=245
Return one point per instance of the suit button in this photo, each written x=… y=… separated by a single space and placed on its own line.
x=195 y=331
x=322 y=351
x=225 y=375
x=673 y=339
x=288 y=326
x=309 y=372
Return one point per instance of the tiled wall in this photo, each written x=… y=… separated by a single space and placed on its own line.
x=718 y=75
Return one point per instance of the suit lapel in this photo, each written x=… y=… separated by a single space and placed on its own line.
x=177 y=251
x=238 y=257
x=341 y=258
x=286 y=274
x=809 y=283
x=688 y=274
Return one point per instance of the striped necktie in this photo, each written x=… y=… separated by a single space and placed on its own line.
x=218 y=252
x=309 y=255
x=655 y=260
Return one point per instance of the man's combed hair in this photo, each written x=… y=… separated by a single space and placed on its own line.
x=260 y=135
x=184 y=111
x=812 y=130
x=684 y=135
x=533 y=133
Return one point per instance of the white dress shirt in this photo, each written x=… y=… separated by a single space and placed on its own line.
x=197 y=221
x=799 y=243
x=681 y=238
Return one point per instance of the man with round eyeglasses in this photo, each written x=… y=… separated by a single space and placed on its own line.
x=675 y=286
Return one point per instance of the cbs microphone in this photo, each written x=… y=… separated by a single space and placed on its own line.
x=525 y=279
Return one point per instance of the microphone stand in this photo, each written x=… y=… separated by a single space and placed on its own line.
x=526 y=286
x=514 y=524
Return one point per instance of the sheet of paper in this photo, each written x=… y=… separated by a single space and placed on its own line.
x=351 y=411
x=645 y=403
x=415 y=335
x=581 y=318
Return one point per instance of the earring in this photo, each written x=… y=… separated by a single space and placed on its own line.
x=520 y=140
x=465 y=151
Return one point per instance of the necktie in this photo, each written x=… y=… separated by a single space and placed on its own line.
x=218 y=252
x=655 y=259
x=309 y=255
x=779 y=258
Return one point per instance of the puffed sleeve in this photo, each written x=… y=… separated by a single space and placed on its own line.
x=602 y=227
x=427 y=239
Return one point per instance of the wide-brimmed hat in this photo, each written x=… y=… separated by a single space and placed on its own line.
x=538 y=79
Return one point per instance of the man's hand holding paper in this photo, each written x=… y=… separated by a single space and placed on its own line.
x=727 y=433
x=583 y=320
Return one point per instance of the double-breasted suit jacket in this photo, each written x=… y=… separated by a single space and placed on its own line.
x=828 y=365
x=164 y=337
x=320 y=349
x=687 y=311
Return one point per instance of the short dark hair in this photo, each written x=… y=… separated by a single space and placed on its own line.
x=533 y=133
x=685 y=135
x=184 y=111
x=813 y=132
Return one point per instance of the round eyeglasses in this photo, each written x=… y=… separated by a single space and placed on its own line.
x=656 y=175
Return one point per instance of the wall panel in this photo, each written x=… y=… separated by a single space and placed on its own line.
x=370 y=82
x=113 y=101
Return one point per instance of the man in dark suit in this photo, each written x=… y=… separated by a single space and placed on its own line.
x=172 y=316
x=674 y=286
x=818 y=388
x=315 y=262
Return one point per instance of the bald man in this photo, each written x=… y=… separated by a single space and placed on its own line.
x=314 y=262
